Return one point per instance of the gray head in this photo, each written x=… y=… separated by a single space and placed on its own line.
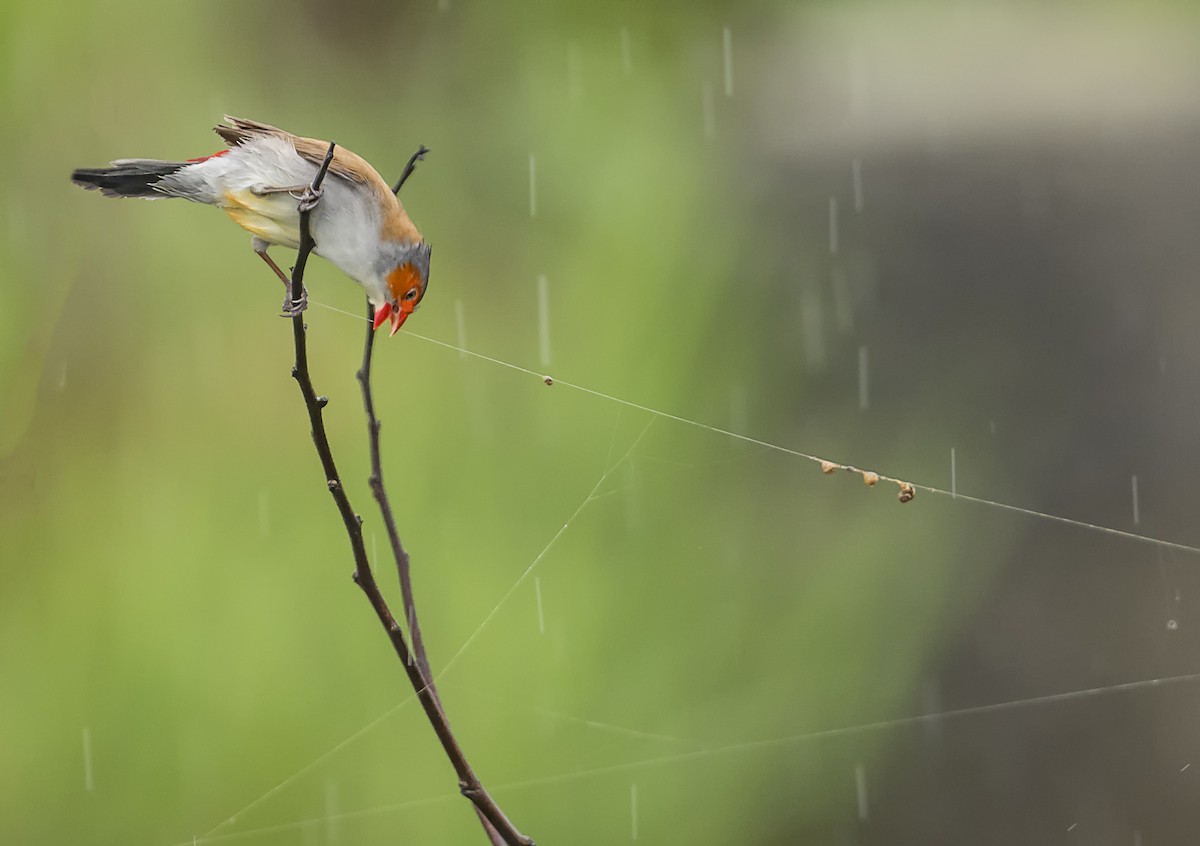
x=407 y=278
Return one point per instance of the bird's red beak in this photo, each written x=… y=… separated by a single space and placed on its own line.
x=382 y=313
x=397 y=315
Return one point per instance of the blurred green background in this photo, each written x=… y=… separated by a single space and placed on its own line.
x=991 y=207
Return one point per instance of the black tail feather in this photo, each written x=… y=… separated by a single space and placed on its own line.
x=129 y=178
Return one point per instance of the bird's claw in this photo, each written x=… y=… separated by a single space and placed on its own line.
x=294 y=308
x=309 y=199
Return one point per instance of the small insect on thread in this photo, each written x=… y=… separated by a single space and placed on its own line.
x=870 y=478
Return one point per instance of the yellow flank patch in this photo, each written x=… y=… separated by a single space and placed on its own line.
x=271 y=217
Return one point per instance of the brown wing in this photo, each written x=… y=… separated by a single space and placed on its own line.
x=345 y=163
x=396 y=223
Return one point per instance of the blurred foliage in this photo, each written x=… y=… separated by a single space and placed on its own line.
x=176 y=582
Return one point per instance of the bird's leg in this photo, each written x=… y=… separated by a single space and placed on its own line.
x=290 y=307
x=271 y=263
x=295 y=190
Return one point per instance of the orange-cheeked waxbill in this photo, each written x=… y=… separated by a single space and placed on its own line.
x=359 y=224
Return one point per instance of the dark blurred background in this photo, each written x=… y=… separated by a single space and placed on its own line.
x=877 y=233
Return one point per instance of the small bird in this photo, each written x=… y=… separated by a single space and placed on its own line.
x=359 y=224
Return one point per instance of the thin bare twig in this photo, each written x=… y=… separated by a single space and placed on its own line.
x=375 y=481
x=402 y=562
x=380 y=492
x=498 y=827
x=419 y=155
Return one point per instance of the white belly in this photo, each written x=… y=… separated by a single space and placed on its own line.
x=345 y=228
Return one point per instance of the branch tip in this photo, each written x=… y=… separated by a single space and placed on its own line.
x=418 y=156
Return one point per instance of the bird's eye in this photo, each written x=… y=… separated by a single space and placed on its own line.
x=411 y=294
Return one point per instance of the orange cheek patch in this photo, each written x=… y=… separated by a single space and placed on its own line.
x=402 y=279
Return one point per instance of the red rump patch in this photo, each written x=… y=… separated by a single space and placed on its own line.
x=206 y=158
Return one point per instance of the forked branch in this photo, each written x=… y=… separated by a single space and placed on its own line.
x=498 y=827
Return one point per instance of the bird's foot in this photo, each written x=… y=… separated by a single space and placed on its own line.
x=294 y=308
x=309 y=199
